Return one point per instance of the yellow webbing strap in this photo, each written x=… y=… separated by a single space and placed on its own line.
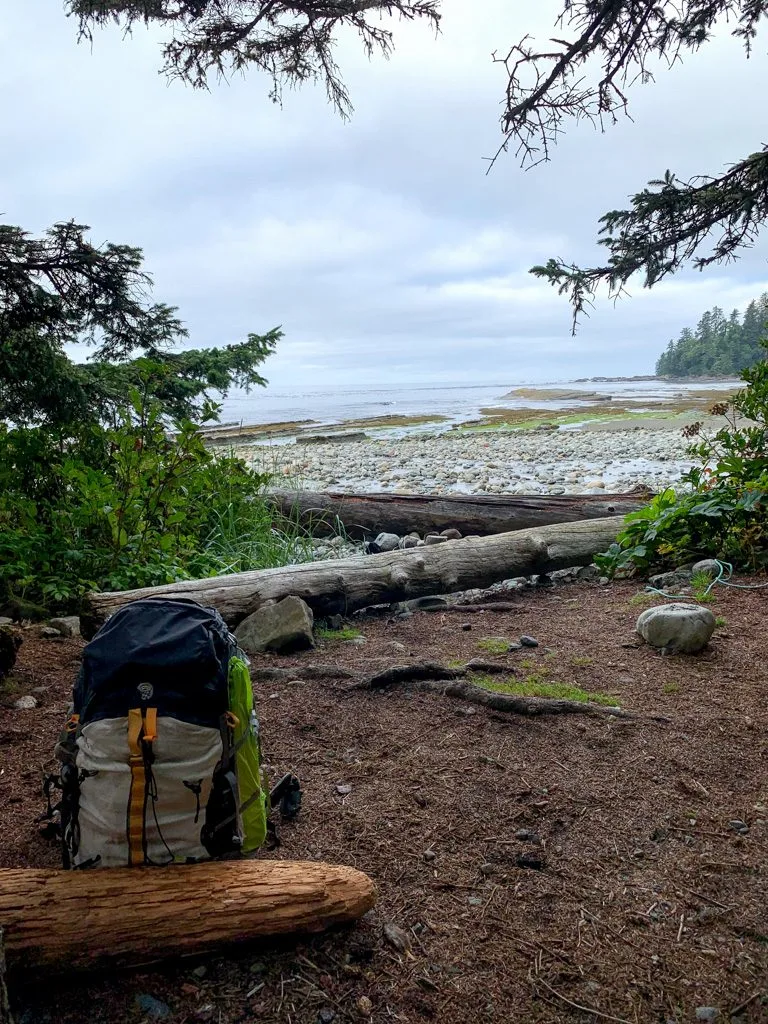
x=139 y=728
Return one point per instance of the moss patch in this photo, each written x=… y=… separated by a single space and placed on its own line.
x=538 y=686
x=346 y=633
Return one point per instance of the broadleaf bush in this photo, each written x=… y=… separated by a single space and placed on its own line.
x=724 y=511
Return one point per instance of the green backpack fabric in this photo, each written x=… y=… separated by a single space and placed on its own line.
x=250 y=777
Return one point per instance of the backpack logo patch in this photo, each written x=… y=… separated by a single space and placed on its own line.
x=145 y=690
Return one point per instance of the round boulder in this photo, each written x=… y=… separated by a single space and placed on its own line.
x=677 y=628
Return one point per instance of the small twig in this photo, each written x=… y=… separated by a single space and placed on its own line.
x=537 y=980
x=747 y=1002
x=680 y=929
x=708 y=899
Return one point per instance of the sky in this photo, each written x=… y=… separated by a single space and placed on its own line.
x=380 y=245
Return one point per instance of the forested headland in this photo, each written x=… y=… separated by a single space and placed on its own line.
x=718 y=345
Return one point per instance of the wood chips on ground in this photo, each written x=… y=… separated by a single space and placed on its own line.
x=647 y=903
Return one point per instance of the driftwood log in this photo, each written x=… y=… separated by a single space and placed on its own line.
x=365 y=515
x=127 y=917
x=346 y=584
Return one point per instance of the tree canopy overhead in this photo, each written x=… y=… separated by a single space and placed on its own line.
x=601 y=50
x=292 y=42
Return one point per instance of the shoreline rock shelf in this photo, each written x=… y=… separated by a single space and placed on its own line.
x=489 y=462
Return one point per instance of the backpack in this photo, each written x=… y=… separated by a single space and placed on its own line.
x=160 y=757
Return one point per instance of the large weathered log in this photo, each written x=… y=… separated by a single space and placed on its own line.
x=364 y=515
x=62 y=920
x=346 y=584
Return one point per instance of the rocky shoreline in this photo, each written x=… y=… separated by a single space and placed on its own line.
x=490 y=462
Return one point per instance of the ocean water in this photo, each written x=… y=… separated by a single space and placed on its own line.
x=326 y=405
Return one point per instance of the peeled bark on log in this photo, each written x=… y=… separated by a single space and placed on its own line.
x=346 y=584
x=365 y=515
x=126 y=917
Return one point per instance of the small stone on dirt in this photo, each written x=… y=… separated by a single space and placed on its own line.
x=530 y=860
x=326 y=1015
x=201 y=971
x=154 y=1008
x=49 y=632
x=67 y=625
x=396 y=937
x=524 y=835
x=708 y=565
x=528 y=641
x=739 y=826
x=435 y=538
x=707 y=1013
x=429 y=855
x=466 y=627
x=26 y=703
x=364 y=1006
x=344 y=790
x=487 y=869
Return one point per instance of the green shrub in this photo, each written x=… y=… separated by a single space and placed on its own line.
x=114 y=508
x=725 y=513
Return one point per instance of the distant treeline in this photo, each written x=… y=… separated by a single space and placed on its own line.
x=719 y=344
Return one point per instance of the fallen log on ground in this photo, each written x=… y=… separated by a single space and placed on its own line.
x=346 y=584
x=127 y=917
x=362 y=516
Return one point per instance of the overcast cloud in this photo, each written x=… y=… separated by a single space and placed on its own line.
x=380 y=245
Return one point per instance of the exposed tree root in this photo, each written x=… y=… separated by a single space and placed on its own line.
x=431 y=677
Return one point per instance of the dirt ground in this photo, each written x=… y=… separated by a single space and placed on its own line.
x=643 y=902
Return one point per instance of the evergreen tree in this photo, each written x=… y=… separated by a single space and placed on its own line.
x=718 y=345
x=60 y=289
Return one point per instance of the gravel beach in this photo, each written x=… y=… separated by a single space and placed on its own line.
x=491 y=462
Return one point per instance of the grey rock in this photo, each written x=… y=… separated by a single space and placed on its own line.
x=409 y=542
x=707 y=1013
x=285 y=626
x=5 y=621
x=344 y=790
x=429 y=855
x=739 y=826
x=435 y=538
x=524 y=835
x=487 y=869
x=49 y=632
x=325 y=1015
x=588 y=572
x=67 y=625
x=707 y=565
x=676 y=628
x=201 y=971
x=466 y=627
x=396 y=937
x=451 y=534
x=26 y=703
x=387 y=542
x=154 y=1008
x=670 y=580
x=529 y=641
